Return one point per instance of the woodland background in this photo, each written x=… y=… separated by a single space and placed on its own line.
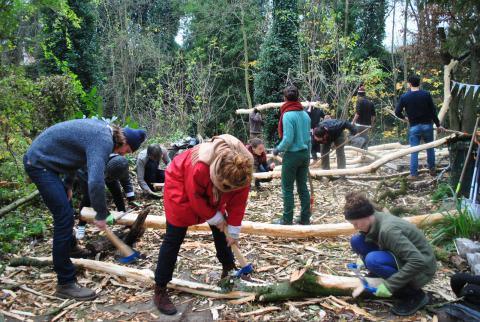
x=119 y=59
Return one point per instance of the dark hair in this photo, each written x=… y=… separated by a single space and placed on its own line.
x=154 y=152
x=291 y=93
x=255 y=142
x=319 y=131
x=357 y=206
x=414 y=80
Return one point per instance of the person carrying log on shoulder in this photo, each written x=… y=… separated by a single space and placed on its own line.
x=332 y=131
x=393 y=249
x=148 y=167
x=294 y=130
x=116 y=178
x=208 y=183
x=63 y=149
x=260 y=164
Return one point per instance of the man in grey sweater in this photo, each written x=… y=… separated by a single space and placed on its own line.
x=62 y=149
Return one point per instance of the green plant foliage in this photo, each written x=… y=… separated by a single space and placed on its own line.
x=18 y=226
x=443 y=191
x=278 y=60
x=460 y=225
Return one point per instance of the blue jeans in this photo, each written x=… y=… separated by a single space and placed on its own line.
x=415 y=134
x=379 y=262
x=53 y=193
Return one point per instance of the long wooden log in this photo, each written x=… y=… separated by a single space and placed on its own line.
x=368 y=168
x=264 y=229
x=302 y=283
x=277 y=105
x=18 y=203
x=145 y=276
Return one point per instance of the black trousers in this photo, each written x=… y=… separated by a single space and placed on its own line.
x=174 y=237
x=153 y=174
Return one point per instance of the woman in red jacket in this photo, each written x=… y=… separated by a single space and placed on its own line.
x=209 y=182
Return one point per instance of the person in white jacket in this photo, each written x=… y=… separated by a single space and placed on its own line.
x=151 y=164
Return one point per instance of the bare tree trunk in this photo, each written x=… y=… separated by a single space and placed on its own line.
x=392 y=52
x=405 y=71
x=345 y=33
x=245 y=56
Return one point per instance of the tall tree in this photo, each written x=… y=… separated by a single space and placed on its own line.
x=72 y=41
x=278 y=59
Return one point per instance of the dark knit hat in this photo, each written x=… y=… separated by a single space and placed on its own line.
x=134 y=137
x=117 y=168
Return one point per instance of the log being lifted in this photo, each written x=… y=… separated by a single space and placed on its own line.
x=277 y=105
x=368 y=168
x=264 y=229
x=302 y=283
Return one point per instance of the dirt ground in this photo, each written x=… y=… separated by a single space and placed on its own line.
x=274 y=259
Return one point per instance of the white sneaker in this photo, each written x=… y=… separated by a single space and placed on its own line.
x=80 y=234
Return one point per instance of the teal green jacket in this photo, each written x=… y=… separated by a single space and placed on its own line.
x=414 y=255
x=296 y=132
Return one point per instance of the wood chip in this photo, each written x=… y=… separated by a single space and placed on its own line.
x=260 y=311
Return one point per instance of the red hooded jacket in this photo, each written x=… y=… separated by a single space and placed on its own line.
x=188 y=195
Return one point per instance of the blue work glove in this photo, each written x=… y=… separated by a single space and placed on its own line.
x=383 y=291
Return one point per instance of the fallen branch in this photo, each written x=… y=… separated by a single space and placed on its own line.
x=264 y=229
x=303 y=283
x=374 y=166
x=18 y=203
x=277 y=105
x=143 y=275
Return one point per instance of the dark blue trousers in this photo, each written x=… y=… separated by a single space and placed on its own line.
x=379 y=262
x=53 y=193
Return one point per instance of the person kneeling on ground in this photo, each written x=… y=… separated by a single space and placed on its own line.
x=257 y=149
x=332 y=131
x=393 y=249
x=209 y=182
x=116 y=178
x=148 y=167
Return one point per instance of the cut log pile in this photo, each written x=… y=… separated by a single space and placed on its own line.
x=387 y=156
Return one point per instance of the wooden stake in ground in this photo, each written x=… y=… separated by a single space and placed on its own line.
x=264 y=229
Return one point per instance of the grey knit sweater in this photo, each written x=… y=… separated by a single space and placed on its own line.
x=68 y=146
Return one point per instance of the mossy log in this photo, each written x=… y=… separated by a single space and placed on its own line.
x=303 y=283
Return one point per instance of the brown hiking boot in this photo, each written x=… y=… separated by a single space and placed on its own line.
x=162 y=301
x=227 y=268
x=75 y=291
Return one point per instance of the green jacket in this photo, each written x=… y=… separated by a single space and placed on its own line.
x=296 y=132
x=414 y=255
